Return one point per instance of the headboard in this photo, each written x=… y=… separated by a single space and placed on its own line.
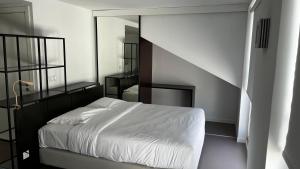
x=30 y=119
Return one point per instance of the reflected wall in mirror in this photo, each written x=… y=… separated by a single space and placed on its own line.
x=118 y=54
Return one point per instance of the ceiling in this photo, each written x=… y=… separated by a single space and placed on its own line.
x=132 y=18
x=133 y=4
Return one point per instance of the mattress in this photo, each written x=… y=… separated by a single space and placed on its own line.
x=151 y=135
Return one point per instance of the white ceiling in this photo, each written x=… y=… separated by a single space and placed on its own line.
x=133 y=4
x=132 y=18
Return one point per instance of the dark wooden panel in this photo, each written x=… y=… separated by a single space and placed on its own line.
x=27 y=123
x=122 y=81
x=31 y=118
x=57 y=106
x=86 y=96
x=189 y=89
x=145 y=70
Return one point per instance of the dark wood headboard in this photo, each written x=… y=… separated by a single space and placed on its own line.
x=30 y=119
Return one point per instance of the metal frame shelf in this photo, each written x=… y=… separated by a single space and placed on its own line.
x=7 y=103
x=29 y=68
x=131 y=59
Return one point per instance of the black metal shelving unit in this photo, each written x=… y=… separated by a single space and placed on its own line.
x=132 y=58
x=7 y=104
x=8 y=136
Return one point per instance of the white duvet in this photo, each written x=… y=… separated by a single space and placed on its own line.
x=151 y=135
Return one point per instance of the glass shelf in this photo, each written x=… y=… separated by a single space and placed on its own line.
x=9 y=161
x=29 y=98
x=34 y=97
x=75 y=86
x=130 y=58
x=28 y=68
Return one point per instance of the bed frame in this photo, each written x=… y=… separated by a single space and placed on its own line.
x=31 y=118
x=70 y=160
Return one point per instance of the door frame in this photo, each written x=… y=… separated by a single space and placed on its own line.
x=20 y=7
x=25 y=8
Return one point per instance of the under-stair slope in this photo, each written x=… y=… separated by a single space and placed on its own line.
x=212 y=42
x=218 y=98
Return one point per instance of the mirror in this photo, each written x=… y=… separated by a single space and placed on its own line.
x=118 y=49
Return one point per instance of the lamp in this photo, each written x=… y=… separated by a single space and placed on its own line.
x=28 y=83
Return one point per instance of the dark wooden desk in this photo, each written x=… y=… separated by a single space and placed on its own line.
x=190 y=89
x=119 y=82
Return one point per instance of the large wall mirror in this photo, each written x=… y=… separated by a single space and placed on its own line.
x=118 y=54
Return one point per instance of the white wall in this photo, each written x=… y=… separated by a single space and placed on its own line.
x=284 y=82
x=103 y=5
x=291 y=150
x=243 y=117
x=170 y=97
x=263 y=66
x=52 y=18
x=56 y=18
x=14 y=19
x=132 y=36
x=219 y=99
x=245 y=102
x=111 y=36
x=272 y=83
x=213 y=42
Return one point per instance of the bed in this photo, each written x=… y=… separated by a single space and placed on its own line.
x=110 y=133
x=131 y=94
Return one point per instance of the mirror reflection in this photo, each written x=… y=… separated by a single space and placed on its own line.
x=119 y=56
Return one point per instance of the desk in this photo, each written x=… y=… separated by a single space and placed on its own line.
x=115 y=84
x=190 y=89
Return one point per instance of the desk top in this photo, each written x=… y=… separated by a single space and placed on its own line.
x=122 y=76
x=169 y=86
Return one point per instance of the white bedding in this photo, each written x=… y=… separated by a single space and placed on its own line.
x=152 y=135
x=131 y=94
x=133 y=89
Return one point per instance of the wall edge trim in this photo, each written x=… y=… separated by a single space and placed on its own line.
x=225 y=8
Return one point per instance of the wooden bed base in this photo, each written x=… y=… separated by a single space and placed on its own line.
x=70 y=160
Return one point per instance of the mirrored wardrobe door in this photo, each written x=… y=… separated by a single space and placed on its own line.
x=118 y=55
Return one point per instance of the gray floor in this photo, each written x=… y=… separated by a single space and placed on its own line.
x=220 y=150
x=222 y=153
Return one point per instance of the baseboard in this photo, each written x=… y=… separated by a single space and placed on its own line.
x=221 y=120
x=241 y=140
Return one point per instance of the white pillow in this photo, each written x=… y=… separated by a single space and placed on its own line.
x=76 y=116
x=105 y=102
